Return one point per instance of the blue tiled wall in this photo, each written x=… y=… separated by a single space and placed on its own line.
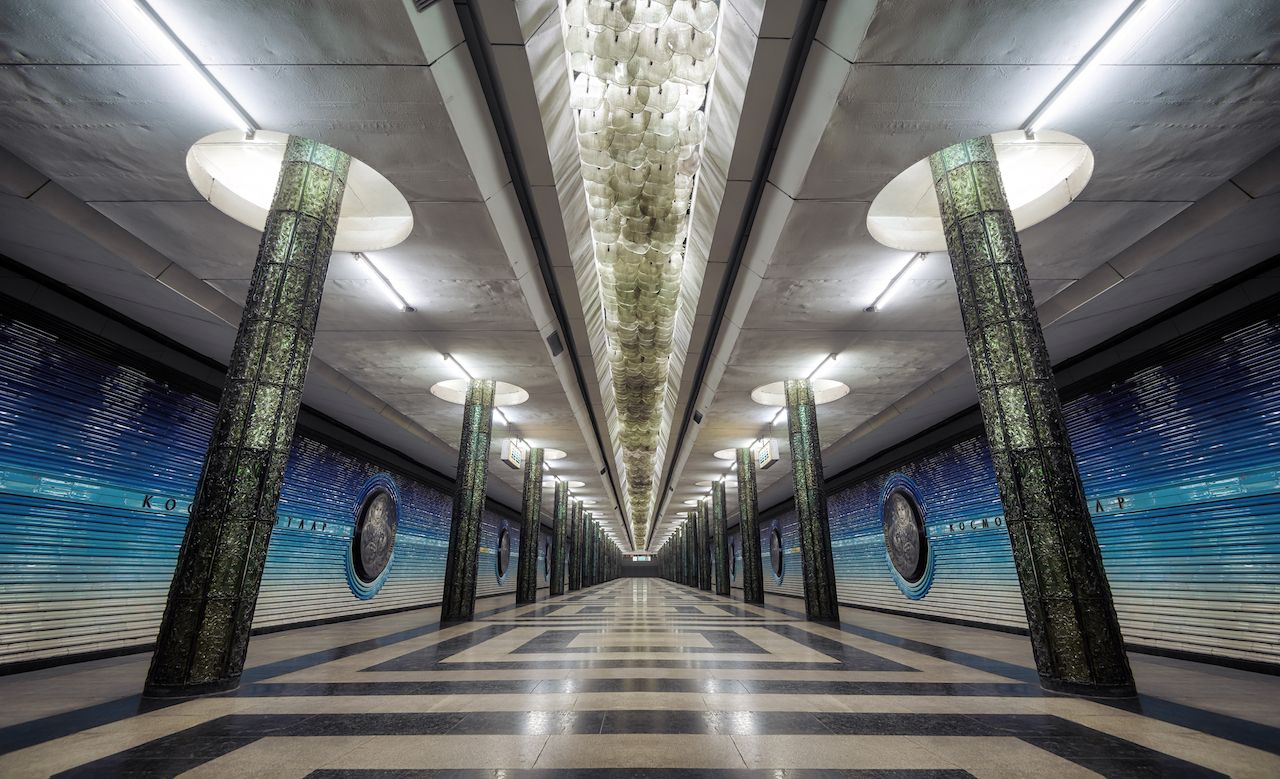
x=1181 y=467
x=98 y=464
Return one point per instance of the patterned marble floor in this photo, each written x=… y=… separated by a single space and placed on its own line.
x=639 y=677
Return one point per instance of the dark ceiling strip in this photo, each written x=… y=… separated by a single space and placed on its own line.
x=806 y=34
x=478 y=45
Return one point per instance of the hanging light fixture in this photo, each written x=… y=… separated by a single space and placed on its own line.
x=640 y=75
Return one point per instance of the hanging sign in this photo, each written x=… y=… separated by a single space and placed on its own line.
x=766 y=453
x=512 y=453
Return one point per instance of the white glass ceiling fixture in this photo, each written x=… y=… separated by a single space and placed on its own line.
x=641 y=71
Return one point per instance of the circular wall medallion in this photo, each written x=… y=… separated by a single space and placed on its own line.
x=775 y=550
x=373 y=537
x=503 y=551
x=733 y=559
x=546 y=560
x=906 y=538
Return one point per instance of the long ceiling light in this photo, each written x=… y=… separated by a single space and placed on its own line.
x=1121 y=33
x=640 y=76
x=149 y=23
x=384 y=283
x=883 y=297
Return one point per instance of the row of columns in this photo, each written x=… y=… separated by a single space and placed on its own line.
x=1075 y=634
x=1074 y=631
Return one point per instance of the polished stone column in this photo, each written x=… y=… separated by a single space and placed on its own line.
x=818 y=566
x=589 y=549
x=468 y=503
x=205 y=630
x=599 y=556
x=704 y=547
x=678 y=552
x=530 y=528
x=559 y=537
x=1075 y=635
x=749 y=528
x=719 y=540
x=690 y=558
x=575 y=544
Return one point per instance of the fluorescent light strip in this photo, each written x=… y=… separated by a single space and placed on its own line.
x=162 y=31
x=893 y=283
x=1073 y=78
x=396 y=298
x=450 y=358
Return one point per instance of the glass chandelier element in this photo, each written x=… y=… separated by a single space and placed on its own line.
x=641 y=70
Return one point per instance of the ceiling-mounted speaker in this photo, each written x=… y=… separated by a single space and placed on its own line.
x=555 y=344
x=697 y=417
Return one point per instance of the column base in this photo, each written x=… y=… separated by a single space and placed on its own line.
x=190 y=690
x=1080 y=690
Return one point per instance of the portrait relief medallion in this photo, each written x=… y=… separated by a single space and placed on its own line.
x=905 y=540
x=375 y=535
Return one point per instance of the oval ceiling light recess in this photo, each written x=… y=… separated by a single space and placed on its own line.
x=824 y=391
x=504 y=394
x=238 y=175
x=1042 y=175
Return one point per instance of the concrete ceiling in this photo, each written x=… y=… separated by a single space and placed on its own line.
x=1178 y=200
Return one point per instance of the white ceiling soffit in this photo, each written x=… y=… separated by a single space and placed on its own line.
x=1177 y=202
x=729 y=147
x=443 y=43
x=841 y=27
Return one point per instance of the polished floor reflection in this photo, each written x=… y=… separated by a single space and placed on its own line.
x=639 y=677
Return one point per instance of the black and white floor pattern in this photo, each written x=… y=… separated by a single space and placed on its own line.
x=638 y=677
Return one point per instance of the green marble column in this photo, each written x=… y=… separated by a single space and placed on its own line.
x=575 y=544
x=588 y=548
x=719 y=541
x=1075 y=635
x=559 y=537
x=690 y=558
x=677 y=555
x=530 y=528
x=749 y=528
x=468 y=503
x=819 y=568
x=705 y=574
x=204 y=633
x=598 y=559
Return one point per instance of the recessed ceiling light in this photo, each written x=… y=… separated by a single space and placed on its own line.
x=455 y=391
x=1041 y=176
x=238 y=175
x=824 y=391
